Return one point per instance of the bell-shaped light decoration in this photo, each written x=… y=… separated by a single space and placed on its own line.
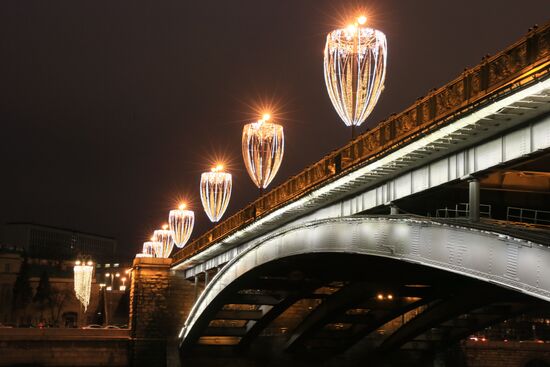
x=83 y=272
x=165 y=237
x=215 y=192
x=263 y=146
x=355 y=69
x=181 y=224
x=148 y=248
x=152 y=248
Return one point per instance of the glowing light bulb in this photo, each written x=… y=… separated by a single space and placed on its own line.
x=182 y=206
x=266 y=116
x=355 y=70
x=217 y=168
x=165 y=226
x=215 y=192
x=263 y=147
x=181 y=224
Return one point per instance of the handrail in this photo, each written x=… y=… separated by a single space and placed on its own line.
x=511 y=69
x=526 y=215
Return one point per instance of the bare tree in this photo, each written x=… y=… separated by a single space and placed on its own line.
x=59 y=298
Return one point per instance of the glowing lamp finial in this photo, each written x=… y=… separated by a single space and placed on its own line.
x=362 y=20
x=266 y=116
x=182 y=206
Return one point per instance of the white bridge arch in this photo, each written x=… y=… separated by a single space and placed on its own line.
x=488 y=255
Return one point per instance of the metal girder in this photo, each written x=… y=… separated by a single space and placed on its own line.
x=337 y=302
x=384 y=316
x=453 y=246
x=497 y=143
x=238 y=315
x=483 y=321
x=452 y=331
x=286 y=285
x=224 y=331
x=269 y=316
x=256 y=299
x=459 y=304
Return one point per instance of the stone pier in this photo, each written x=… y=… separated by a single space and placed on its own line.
x=160 y=300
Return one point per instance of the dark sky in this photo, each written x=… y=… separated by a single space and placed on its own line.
x=110 y=110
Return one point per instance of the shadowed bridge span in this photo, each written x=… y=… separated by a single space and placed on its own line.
x=314 y=262
x=313 y=268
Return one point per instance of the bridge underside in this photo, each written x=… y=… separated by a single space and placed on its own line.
x=339 y=309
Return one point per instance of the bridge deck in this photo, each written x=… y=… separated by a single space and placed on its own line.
x=539 y=234
x=523 y=64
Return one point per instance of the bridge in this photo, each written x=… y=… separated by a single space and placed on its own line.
x=431 y=226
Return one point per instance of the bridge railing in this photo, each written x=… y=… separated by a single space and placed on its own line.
x=503 y=72
x=525 y=215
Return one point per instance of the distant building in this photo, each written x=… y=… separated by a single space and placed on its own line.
x=46 y=242
x=108 y=301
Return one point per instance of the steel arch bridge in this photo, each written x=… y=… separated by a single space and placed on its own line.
x=358 y=274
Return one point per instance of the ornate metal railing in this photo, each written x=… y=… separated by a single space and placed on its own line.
x=522 y=62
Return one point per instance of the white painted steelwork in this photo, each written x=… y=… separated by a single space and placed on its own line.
x=489 y=256
x=473 y=143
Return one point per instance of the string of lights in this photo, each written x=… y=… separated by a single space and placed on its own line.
x=83 y=272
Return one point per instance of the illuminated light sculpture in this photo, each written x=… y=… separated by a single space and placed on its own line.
x=152 y=248
x=215 y=192
x=263 y=145
x=83 y=282
x=165 y=238
x=355 y=69
x=181 y=224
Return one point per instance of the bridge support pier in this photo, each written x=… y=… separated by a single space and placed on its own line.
x=160 y=300
x=473 y=205
x=149 y=313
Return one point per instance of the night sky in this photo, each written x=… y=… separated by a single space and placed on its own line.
x=110 y=110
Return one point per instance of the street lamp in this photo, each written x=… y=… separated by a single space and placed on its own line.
x=123 y=286
x=112 y=276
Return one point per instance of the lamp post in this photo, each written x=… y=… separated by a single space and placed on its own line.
x=123 y=286
x=112 y=276
x=108 y=305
